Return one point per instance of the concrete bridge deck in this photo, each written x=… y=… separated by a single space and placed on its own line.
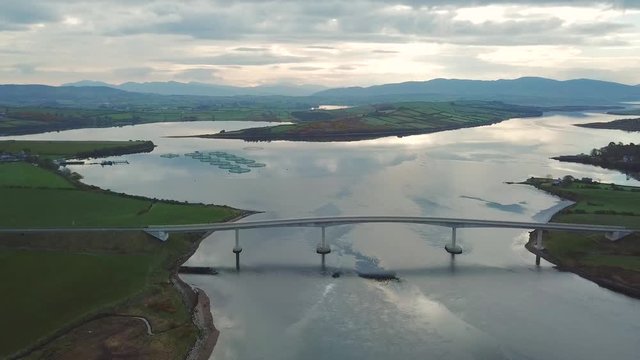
x=162 y=231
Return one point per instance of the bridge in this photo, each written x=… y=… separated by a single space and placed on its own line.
x=162 y=232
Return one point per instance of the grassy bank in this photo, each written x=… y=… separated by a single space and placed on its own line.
x=75 y=149
x=34 y=197
x=67 y=280
x=374 y=121
x=37 y=119
x=613 y=264
x=63 y=290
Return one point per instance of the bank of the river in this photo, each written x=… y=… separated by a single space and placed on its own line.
x=382 y=120
x=611 y=264
x=622 y=124
x=89 y=291
x=621 y=157
x=73 y=149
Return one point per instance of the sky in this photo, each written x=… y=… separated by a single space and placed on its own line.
x=329 y=42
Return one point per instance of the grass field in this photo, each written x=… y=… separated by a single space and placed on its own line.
x=51 y=281
x=372 y=121
x=55 y=287
x=63 y=279
x=617 y=261
x=33 y=208
x=28 y=175
x=59 y=205
x=27 y=120
x=65 y=149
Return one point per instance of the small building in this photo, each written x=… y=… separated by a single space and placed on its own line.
x=586 y=180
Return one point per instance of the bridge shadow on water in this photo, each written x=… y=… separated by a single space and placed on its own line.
x=450 y=270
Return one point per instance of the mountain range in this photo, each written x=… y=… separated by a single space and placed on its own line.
x=204 y=89
x=523 y=91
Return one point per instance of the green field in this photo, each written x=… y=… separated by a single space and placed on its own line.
x=29 y=120
x=605 y=204
x=22 y=174
x=44 y=290
x=57 y=204
x=51 y=281
x=64 y=278
x=371 y=121
x=69 y=149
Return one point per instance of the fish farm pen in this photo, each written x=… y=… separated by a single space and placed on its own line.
x=223 y=160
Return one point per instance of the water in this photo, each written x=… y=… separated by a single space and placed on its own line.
x=491 y=302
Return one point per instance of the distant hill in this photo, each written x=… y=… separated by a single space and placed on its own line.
x=204 y=89
x=526 y=90
x=43 y=95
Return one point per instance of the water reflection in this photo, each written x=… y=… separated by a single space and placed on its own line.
x=490 y=302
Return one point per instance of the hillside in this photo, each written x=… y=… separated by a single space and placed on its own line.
x=204 y=89
x=526 y=90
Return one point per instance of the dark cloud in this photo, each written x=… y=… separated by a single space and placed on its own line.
x=320 y=47
x=26 y=12
x=363 y=21
x=306 y=68
x=250 y=49
x=345 y=67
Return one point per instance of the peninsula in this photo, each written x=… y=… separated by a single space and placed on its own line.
x=622 y=124
x=381 y=120
x=611 y=264
x=625 y=158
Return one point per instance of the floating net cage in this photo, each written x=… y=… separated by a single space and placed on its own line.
x=224 y=160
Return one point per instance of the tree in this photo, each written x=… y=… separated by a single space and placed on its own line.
x=567 y=180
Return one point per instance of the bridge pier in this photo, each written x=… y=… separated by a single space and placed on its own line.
x=453 y=248
x=237 y=250
x=322 y=248
x=538 y=245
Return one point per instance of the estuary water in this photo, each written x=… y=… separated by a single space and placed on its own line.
x=491 y=302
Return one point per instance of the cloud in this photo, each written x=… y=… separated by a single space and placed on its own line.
x=133 y=72
x=250 y=49
x=321 y=47
x=246 y=42
x=306 y=68
x=245 y=59
x=17 y=14
x=198 y=74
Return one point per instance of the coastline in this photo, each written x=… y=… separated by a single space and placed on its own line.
x=199 y=304
x=331 y=137
x=599 y=278
x=607 y=277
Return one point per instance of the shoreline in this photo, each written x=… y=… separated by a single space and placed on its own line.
x=199 y=303
x=334 y=137
x=591 y=275
x=597 y=276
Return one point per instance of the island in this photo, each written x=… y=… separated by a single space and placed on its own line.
x=381 y=120
x=625 y=158
x=611 y=264
x=84 y=294
x=622 y=124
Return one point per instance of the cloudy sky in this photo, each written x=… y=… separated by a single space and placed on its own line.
x=326 y=42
